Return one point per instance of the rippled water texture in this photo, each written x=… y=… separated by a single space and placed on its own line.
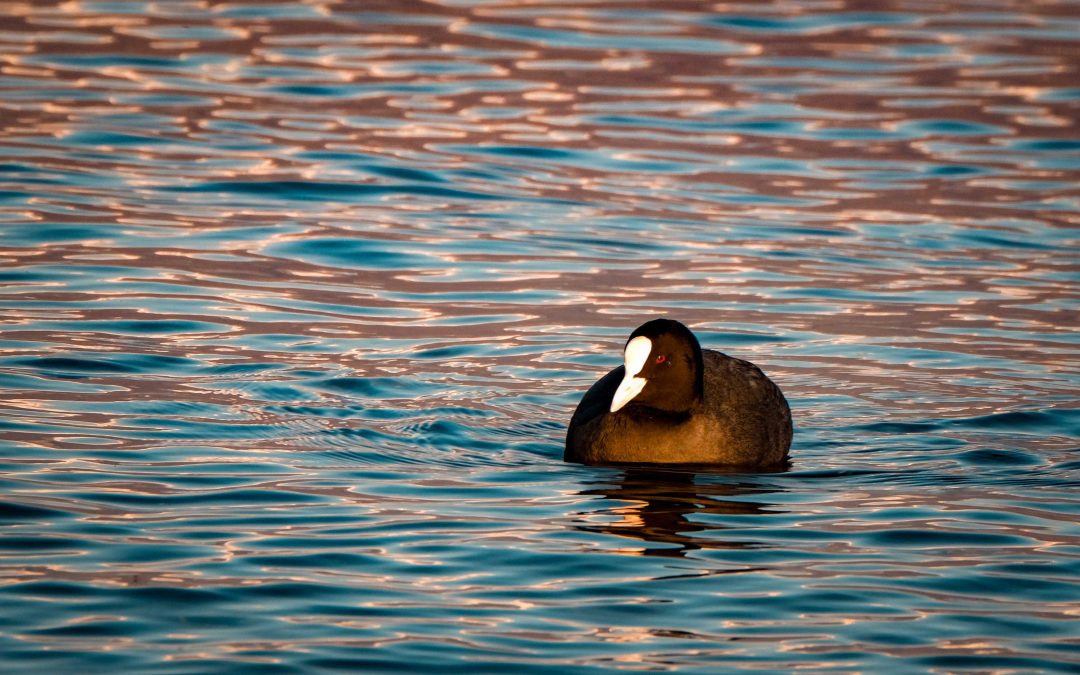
x=297 y=299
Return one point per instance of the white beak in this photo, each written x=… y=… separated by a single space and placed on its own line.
x=634 y=358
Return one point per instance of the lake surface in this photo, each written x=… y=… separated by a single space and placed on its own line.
x=298 y=298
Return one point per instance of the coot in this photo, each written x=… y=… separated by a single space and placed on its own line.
x=674 y=403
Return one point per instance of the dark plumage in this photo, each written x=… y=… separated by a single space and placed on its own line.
x=682 y=405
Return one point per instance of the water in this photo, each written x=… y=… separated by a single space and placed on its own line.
x=299 y=297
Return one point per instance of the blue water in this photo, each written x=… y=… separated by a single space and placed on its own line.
x=297 y=300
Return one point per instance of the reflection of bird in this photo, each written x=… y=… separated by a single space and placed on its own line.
x=656 y=507
x=672 y=402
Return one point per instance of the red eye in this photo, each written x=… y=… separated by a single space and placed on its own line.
x=661 y=358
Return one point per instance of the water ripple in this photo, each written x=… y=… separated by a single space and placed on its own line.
x=298 y=298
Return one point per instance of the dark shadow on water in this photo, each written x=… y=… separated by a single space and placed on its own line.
x=676 y=509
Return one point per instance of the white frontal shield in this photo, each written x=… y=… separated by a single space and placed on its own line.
x=634 y=357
